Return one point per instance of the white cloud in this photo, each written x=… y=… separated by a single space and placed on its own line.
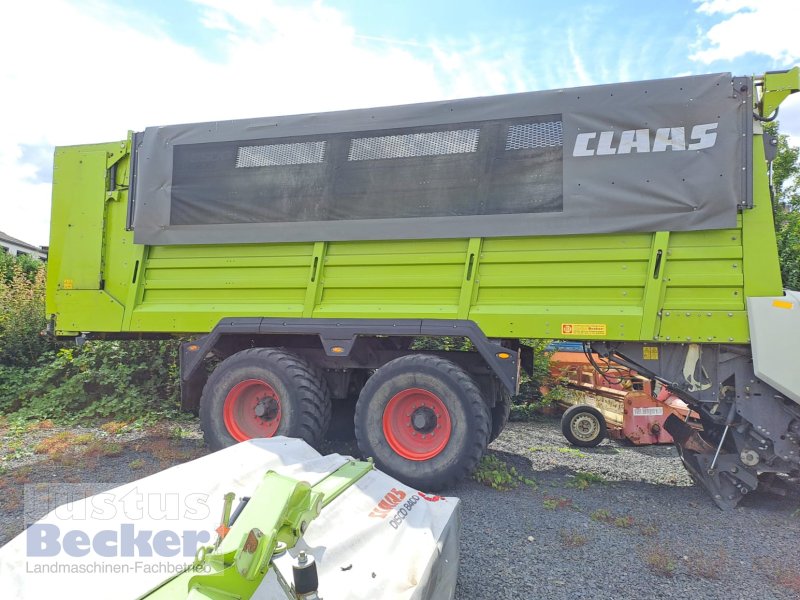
x=755 y=27
x=768 y=28
x=89 y=72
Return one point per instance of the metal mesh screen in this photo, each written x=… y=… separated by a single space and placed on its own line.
x=534 y=135
x=456 y=170
x=414 y=144
x=276 y=155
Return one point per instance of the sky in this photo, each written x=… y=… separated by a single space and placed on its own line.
x=86 y=71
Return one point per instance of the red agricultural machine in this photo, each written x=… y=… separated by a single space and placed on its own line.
x=612 y=400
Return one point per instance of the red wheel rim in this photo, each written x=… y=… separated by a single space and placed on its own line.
x=416 y=423
x=252 y=409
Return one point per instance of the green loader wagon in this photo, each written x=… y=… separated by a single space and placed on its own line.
x=313 y=254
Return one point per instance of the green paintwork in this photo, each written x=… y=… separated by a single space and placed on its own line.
x=521 y=287
x=777 y=87
x=278 y=512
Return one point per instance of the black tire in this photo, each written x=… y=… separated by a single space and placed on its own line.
x=583 y=426
x=305 y=405
x=500 y=413
x=468 y=419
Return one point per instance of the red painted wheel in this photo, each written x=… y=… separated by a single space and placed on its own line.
x=424 y=421
x=416 y=424
x=251 y=409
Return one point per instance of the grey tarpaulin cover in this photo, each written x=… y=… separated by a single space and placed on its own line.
x=663 y=155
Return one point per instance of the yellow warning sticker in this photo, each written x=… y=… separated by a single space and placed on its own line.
x=782 y=304
x=67 y=284
x=583 y=329
x=650 y=352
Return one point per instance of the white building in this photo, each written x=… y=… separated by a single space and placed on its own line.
x=17 y=247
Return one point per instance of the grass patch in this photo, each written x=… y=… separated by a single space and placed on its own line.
x=707 y=565
x=101 y=448
x=573 y=539
x=648 y=529
x=165 y=450
x=787 y=577
x=583 y=480
x=40 y=425
x=572 y=452
x=114 y=427
x=660 y=562
x=556 y=503
x=603 y=515
x=136 y=464
x=498 y=474
x=62 y=442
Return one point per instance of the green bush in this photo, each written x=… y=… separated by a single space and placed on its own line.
x=786 y=183
x=120 y=379
x=22 y=318
x=10 y=264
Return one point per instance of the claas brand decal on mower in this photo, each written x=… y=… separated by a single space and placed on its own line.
x=391 y=501
x=600 y=143
x=432 y=498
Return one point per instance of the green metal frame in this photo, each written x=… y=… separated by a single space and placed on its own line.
x=273 y=521
x=579 y=287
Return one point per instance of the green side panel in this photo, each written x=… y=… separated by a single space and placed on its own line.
x=78 y=237
x=89 y=247
x=78 y=308
x=190 y=288
x=545 y=286
x=393 y=279
x=762 y=269
x=665 y=286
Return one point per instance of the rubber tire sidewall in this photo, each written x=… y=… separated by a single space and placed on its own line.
x=469 y=416
x=576 y=410
x=283 y=371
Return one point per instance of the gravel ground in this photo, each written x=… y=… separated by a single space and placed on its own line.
x=639 y=528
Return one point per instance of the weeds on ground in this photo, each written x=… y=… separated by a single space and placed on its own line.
x=556 y=502
x=563 y=450
x=660 y=562
x=15 y=448
x=114 y=427
x=60 y=443
x=496 y=473
x=180 y=433
x=583 y=480
x=572 y=452
x=781 y=574
x=648 y=529
x=787 y=577
x=136 y=464
x=573 y=539
x=101 y=448
x=40 y=425
x=707 y=565
x=604 y=515
x=165 y=450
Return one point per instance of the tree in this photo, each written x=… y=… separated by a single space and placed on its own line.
x=786 y=183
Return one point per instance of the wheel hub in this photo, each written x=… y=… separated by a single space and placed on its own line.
x=252 y=409
x=423 y=419
x=267 y=408
x=416 y=424
x=585 y=427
